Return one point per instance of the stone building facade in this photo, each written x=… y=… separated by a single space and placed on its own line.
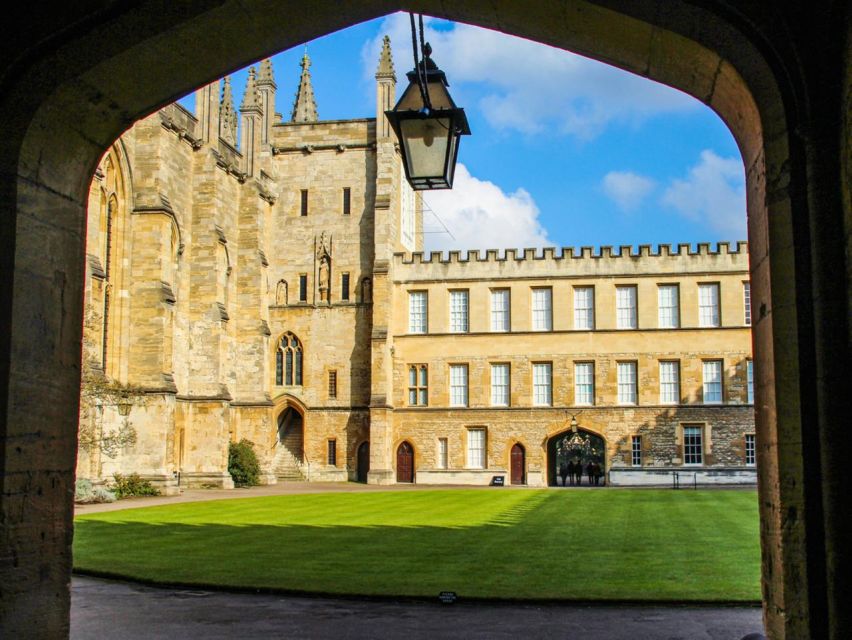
x=274 y=289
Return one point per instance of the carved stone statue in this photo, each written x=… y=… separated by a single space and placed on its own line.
x=323 y=278
x=281 y=292
x=366 y=290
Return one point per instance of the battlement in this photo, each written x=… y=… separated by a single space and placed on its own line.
x=570 y=261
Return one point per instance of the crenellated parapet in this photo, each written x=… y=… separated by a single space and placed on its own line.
x=573 y=262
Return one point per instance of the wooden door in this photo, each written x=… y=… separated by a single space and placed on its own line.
x=363 y=461
x=405 y=463
x=518 y=464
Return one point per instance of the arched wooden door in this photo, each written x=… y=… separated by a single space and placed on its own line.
x=363 y=461
x=519 y=464
x=405 y=463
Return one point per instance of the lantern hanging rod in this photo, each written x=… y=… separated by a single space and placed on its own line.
x=426 y=51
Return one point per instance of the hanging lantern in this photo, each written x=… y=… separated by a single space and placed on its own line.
x=428 y=125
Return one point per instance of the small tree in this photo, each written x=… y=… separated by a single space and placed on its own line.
x=96 y=392
x=242 y=463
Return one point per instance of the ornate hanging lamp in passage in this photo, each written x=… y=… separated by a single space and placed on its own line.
x=427 y=123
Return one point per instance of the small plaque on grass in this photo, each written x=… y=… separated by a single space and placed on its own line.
x=447 y=597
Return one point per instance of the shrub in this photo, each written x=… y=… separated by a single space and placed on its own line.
x=132 y=485
x=85 y=493
x=242 y=463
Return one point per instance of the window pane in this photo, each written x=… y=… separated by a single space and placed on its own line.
x=712 y=373
x=708 y=305
x=542 y=310
x=459 y=311
x=458 y=385
x=627 y=383
x=747 y=302
x=636 y=451
x=669 y=382
x=692 y=445
x=584 y=383
x=500 y=385
x=750 y=449
x=668 y=306
x=417 y=320
x=476 y=448
x=584 y=308
x=625 y=298
x=542 y=384
x=442 y=453
x=750 y=381
x=500 y=310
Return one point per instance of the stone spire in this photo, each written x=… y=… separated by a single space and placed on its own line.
x=228 y=122
x=386 y=69
x=264 y=76
x=251 y=100
x=305 y=106
x=266 y=94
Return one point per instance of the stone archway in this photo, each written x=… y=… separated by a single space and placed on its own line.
x=567 y=449
x=779 y=77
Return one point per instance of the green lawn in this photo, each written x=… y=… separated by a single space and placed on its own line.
x=593 y=544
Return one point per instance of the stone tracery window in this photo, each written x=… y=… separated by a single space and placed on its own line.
x=288 y=361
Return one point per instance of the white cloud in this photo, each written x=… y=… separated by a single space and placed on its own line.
x=626 y=189
x=481 y=215
x=526 y=86
x=713 y=192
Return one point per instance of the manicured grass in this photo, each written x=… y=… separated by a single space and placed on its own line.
x=593 y=544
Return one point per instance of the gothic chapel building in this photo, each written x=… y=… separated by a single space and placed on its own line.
x=274 y=288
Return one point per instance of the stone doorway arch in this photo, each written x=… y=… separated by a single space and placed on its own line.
x=777 y=74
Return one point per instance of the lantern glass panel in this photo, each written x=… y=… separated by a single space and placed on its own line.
x=426 y=142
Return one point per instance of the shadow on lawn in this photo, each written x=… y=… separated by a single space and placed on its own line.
x=545 y=547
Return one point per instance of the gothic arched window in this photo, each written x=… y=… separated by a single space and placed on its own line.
x=288 y=361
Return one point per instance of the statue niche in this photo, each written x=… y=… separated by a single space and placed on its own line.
x=281 y=293
x=324 y=269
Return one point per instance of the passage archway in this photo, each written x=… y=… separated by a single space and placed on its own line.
x=570 y=453
x=363 y=461
x=778 y=74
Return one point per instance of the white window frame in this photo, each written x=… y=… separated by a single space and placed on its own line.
x=668 y=305
x=584 y=383
x=693 y=449
x=501 y=305
x=542 y=308
x=708 y=305
x=584 y=308
x=477 y=448
x=500 y=384
x=458 y=385
x=418 y=312
x=542 y=384
x=626 y=373
x=712 y=388
x=636 y=451
x=459 y=311
x=750 y=381
x=669 y=382
x=750 y=449
x=626 y=307
x=443 y=453
x=747 y=303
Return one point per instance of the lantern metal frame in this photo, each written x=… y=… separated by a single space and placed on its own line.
x=418 y=105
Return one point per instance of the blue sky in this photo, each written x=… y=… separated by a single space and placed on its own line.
x=565 y=151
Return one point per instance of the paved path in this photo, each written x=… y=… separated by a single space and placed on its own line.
x=114 y=610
